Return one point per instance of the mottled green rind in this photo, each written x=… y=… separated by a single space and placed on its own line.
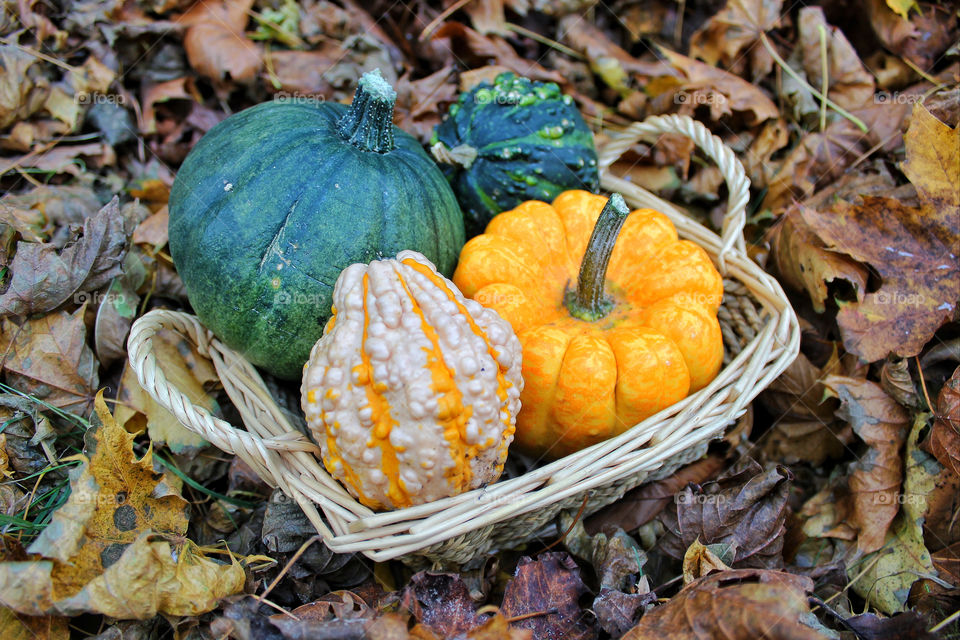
x=271 y=205
x=531 y=142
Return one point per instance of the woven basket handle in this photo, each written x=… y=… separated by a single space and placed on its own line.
x=260 y=449
x=738 y=184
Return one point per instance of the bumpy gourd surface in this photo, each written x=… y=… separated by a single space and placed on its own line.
x=272 y=204
x=413 y=391
x=588 y=381
x=531 y=143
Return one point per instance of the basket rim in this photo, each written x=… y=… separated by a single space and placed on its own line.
x=284 y=457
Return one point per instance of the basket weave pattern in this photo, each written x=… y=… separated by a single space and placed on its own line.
x=761 y=336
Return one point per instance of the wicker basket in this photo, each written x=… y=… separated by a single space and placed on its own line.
x=761 y=336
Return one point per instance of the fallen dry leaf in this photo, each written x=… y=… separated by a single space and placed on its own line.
x=933 y=164
x=850 y=84
x=700 y=560
x=43 y=277
x=922 y=39
x=741 y=604
x=21 y=93
x=804 y=426
x=16 y=626
x=723 y=92
x=876 y=476
x=48 y=357
x=803 y=261
x=441 y=602
x=818 y=160
x=467 y=43
x=912 y=252
x=896 y=379
x=737 y=27
x=117 y=547
x=944 y=442
x=216 y=44
x=549 y=587
x=153 y=230
x=421 y=104
x=906 y=626
x=744 y=509
x=613 y=64
x=883 y=578
x=641 y=505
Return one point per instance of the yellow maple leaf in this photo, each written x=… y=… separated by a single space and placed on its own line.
x=117 y=546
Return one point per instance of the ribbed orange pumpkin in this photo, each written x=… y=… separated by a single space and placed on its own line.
x=413 y=391
x=611 y=333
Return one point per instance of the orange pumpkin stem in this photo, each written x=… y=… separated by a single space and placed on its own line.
x=588 y=302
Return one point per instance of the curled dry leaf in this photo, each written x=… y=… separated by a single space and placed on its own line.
x=741 y=604
x=896 y=380
x=876 y=476
x=738 y=27
x=641 y=505
x=944 y=441
x=721 y=90
x=116 y=547
x=745 y=509
x=549 y=588
x=699 y=560
x=43 y=277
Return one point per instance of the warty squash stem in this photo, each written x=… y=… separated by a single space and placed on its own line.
x=588 y=302
x=368 y=124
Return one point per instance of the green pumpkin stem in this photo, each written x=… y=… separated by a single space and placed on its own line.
x=588 y=302
x=368 y=124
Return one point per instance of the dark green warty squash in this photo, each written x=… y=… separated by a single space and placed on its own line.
x=275 y=201
x=513 y=141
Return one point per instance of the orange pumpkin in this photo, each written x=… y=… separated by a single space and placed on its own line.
x=616 y=316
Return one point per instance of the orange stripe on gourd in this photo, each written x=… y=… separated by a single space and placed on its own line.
x=502 y=383
x=380 y=415
x=452 y=416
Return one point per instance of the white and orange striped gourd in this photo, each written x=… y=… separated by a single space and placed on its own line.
x=413 y=390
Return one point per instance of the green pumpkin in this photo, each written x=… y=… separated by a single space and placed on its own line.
x=275 y=201
x=513 y=141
